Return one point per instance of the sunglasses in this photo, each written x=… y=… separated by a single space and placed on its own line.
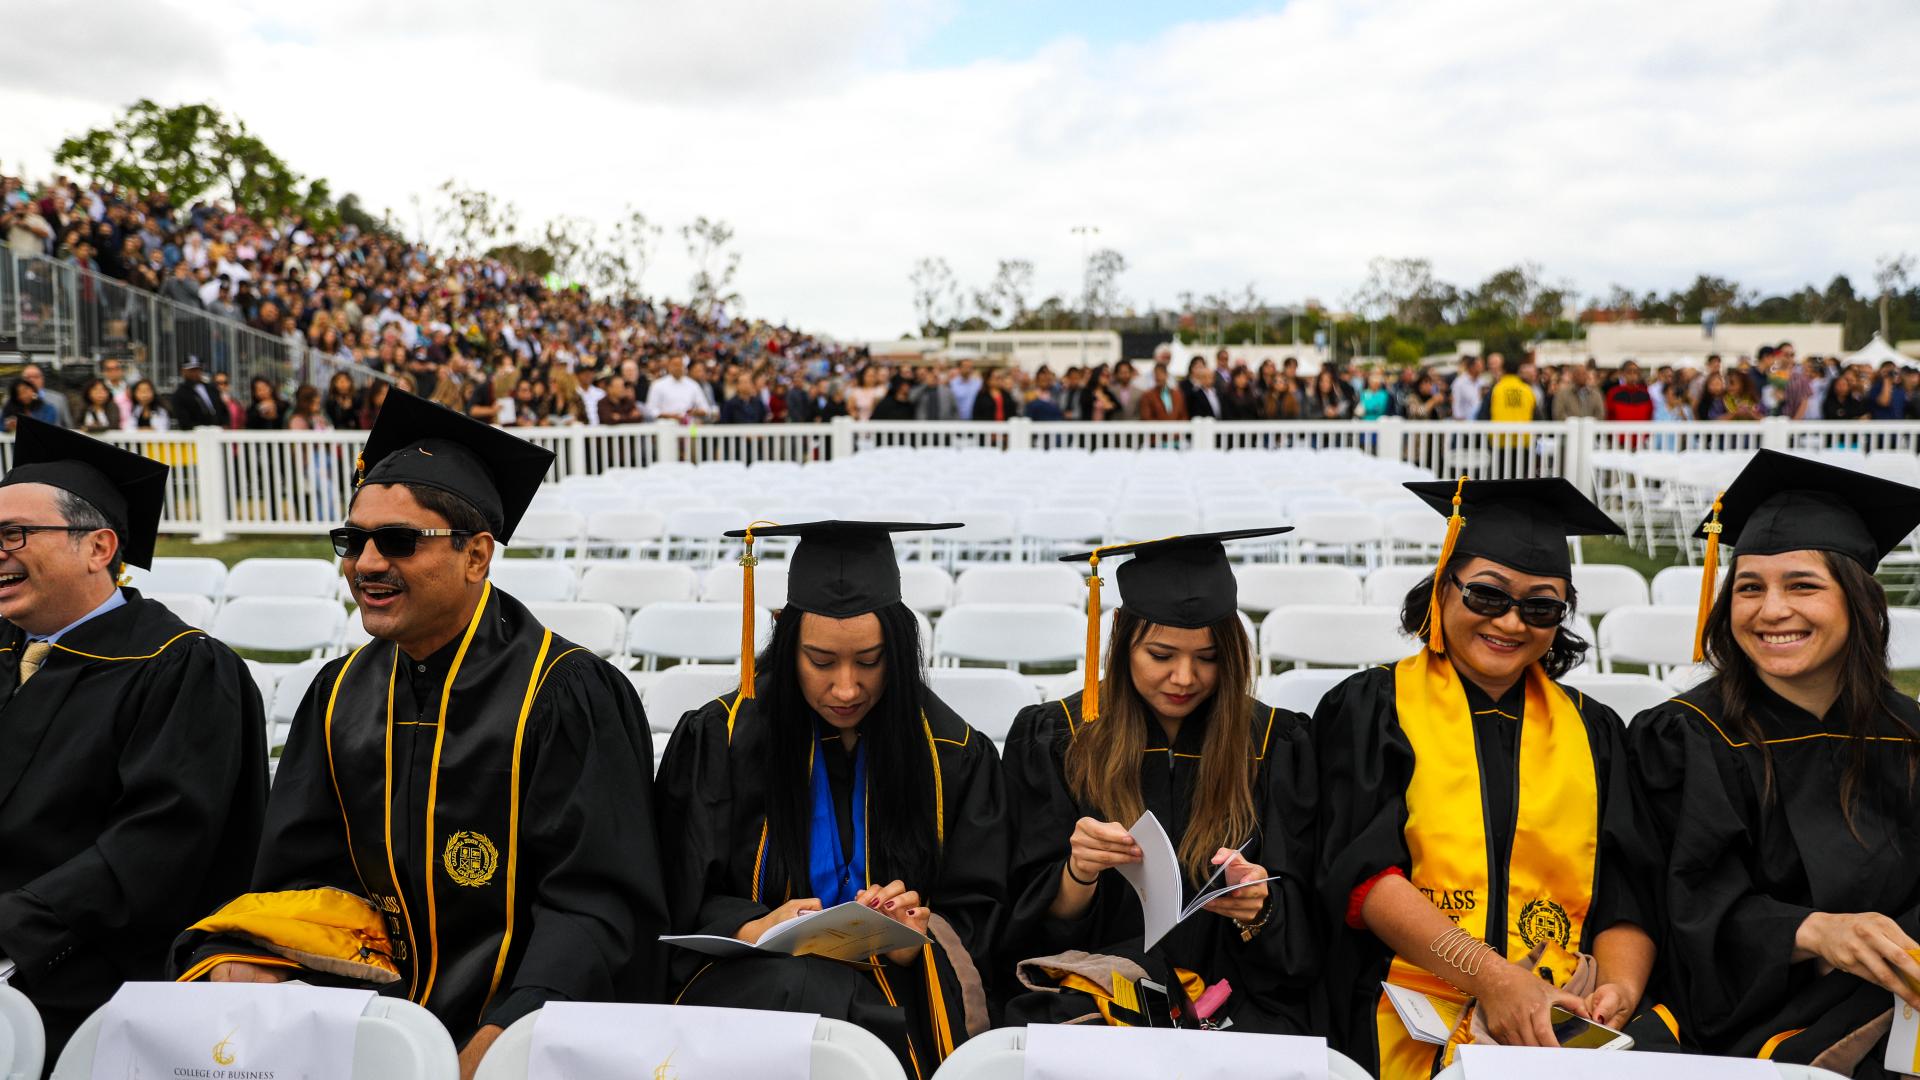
x=394 y=541
x=1539 y=611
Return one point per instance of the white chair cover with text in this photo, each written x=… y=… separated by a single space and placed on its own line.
x=288 y=1032
x=593 y=1041
x=1085 y=1052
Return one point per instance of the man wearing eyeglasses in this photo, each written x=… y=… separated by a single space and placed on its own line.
x=133 y=762
x=463 y=811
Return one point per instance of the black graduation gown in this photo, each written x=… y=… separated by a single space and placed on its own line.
x=580 y=853
x=133 y=776
x=1366 y=763
x=1271 y=974
x=713 y=795
x=1743 y=872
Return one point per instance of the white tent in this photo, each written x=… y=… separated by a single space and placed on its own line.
x=1877 y=352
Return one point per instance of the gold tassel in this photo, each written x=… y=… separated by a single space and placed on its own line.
x=747 y=563
x=1435 y=639
x=1709 y=569
x=1090 y=697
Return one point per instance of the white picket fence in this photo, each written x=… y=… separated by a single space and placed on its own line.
x=226 y=482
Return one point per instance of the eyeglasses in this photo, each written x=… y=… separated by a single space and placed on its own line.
x=14 y=537
x=1539 y=611
x=394 y=541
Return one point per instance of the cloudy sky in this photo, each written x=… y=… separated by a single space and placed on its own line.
x=1215 y=144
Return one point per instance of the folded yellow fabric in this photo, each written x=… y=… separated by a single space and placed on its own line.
x=323 y=929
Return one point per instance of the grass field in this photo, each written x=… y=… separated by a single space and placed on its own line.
x=1599 y=550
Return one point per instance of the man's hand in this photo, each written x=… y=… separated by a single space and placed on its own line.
x=239 y=971
x=476 y=1049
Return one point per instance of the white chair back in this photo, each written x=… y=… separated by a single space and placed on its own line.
x=709 y=632
x=840 y=1051
x=395 y=1040
x=1044 y=583
x=1678 y=586
x=1387 y=586
x=534 y=580
x=680 y=689
x=1010 y=634
x=986 y=698
x=192 y=608
x=1661 y=637
x=1340 y=636
x=280 y=623
x=925 y=588
x=725 y=583
x=182 y=574
x=632 y=586
x=1001 y=1054
x=291 y=689
x=282 y=577
x=1301 y=688
x=1903 y=642
x=1627 y=695
x=1601 y=587
x=1265 y=586
x=23 y=1039
x=598 y=628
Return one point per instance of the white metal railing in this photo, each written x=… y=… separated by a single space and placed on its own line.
x=1655 y=478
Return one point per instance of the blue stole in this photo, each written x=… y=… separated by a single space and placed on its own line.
x=837 y=876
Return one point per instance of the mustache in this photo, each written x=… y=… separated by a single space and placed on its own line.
x=389 y=579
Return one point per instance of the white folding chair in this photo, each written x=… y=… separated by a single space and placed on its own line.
x=23 y=1039
x=1265 y=586
x=280 y=623
x=1001 y=1054
x=1659 y=637
x=288 y=692
x=1388 y=586
x=282 y=577
x=677 y=691
x=1627 y=695
x=986 y=698
x=1058 y=530
x=632 y=586
x=266 y=677
x=925 y=588
x=198 y=575
x=554 y=533
x=625 y=533
x=1133 y=526
x=1602 y=587
x=534 y=580
x=1347 y=536
x=985 y=536
x=1009 y=634
x=1903 y=640
x=395 y=1040
x=191 y=608
x=682 y=631
x=1300 y=689
x=696 y=534
x=1678 y=586
x=1042 y=583
x=726 y=584
x=1350 y=636
x=1687 y=676
x=1414 y=536
x=598 y=628
x=840 y=1051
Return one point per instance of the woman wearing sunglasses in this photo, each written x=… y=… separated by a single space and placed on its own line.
x=1476 y=830
x=1783 y=788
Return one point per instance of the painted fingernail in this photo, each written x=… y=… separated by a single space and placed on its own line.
x=889 y=905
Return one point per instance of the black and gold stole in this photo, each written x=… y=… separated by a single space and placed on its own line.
x=444 y=877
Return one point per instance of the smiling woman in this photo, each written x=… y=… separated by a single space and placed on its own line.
x=1785 y=785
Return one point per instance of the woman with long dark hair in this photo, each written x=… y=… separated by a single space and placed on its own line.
x=1172 y=728
x=833 y=776
x=1478 y=836
x=1783 y=787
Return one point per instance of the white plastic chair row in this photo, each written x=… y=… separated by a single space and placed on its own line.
x=1000 y=1054
x=840 y=1051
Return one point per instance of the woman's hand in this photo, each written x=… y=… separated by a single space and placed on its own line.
x=1869 y=945
x=1242 y=905
x=903 y=906
x=753 y=931
x=1097 y=846
x=1515 y=1003
x=1611 y=1005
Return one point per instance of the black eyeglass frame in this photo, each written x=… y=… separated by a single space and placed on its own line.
x=1540 y=612
x=393 y=541
x=14 y=537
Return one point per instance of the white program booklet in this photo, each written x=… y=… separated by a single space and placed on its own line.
x=1428 y=1019
x=846 y=931
x=1156 y=877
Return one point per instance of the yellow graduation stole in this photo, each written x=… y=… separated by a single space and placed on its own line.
x=1556 y=836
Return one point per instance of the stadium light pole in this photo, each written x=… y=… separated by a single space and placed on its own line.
x=1086 y=285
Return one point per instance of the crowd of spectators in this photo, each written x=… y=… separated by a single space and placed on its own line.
x=500 y=343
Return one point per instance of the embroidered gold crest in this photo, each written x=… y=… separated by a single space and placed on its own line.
x=470 y=858
x=1544 y=920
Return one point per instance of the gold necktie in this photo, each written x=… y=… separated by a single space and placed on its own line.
x=31 y=660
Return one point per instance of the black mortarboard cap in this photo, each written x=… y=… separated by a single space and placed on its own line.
x=420 y=443
x=1182 y=581
x=842 y=568
x=1520 y=524
x=126 y=488
x=1780 y=502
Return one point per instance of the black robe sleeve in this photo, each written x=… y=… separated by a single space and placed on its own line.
x=304 y=844
x=1623 y=891
x=971 y=893
x=697 y=841
x=589 y=845
x=1728 y=949
x=1365 y=763
x=1284 y=959
x=1043 y=814
x=190 y=775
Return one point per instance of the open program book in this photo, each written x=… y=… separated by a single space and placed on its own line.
x=846 y=931
x=1156 y=877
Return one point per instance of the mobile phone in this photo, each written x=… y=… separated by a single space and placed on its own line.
x=1580 y=1033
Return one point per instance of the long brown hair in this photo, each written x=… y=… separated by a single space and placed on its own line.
x=1864 y=679
x=1103 y=761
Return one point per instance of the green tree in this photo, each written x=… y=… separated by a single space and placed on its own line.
x=193 y=151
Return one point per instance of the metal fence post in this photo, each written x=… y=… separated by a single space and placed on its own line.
x=209 y=463
x=840 y=438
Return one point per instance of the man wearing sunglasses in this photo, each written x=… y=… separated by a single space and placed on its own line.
x=133 y=762
x=463 y=812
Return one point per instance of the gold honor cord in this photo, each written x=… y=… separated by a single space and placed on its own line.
x=1709 y=569
x=747 y=563
x=1435 y=639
